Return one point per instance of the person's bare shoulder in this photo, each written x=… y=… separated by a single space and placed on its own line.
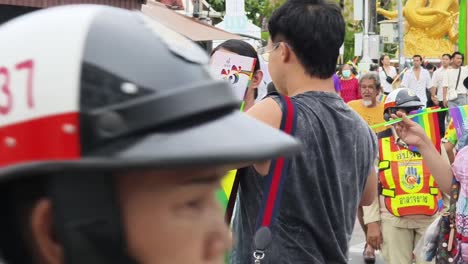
x=267 y=111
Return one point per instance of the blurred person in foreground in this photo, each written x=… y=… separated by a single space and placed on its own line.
x=123 y=165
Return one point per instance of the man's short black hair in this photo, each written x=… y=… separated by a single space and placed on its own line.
x=418 y=56
x=458 y=53
x=315 y=31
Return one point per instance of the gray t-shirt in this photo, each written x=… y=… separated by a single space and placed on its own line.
x=322 y=190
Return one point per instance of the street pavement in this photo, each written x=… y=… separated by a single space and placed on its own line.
x=357 y=244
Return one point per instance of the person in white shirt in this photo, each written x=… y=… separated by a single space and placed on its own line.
x=417 y=79
x=387 y=74
x=454 y=91
x=437 y=95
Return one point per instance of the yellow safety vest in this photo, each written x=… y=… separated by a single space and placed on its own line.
x=406 y=184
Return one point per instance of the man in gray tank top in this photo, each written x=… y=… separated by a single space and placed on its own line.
x=335 y=171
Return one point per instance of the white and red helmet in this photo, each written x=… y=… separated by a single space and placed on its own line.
x=86 y=90
x=101 y=87
x=402 y=98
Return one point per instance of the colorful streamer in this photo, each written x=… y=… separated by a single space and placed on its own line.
x=459 y=117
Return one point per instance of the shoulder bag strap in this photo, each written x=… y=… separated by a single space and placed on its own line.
x=274 y=184
x=458 y=78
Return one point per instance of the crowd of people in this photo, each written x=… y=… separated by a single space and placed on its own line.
x=120 y=159
x=375 y=96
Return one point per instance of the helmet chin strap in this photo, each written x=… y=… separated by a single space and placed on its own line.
x=398 y=140
x=87 y=218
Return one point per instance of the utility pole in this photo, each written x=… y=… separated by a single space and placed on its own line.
x=401 y=42
x=187 y=9
x=372 y=17
x=366 y=60
x=197 y=8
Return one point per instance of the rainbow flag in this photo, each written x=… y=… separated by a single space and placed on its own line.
x=430 y=123
x=462 y=34
x=459 y=116
x=382 y=98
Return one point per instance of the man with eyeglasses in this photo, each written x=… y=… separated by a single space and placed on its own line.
x=370 y=109
x=335 y=172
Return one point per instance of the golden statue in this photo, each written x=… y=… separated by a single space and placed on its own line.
x=431 y=29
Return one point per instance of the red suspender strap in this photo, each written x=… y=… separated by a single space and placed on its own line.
x=274 y=184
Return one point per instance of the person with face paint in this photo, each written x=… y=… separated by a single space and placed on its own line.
x=114 y=137
x=349 y=84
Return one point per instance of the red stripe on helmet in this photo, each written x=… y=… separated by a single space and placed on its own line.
x=390 y=104
x=44 y=139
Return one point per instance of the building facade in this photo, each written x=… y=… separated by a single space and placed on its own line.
x=13 y=8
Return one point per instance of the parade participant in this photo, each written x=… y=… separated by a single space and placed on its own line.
x=437 y=90
x=371 y=111
x=105 y=157
x=369 y=108
x=408 y=200
x=324 y=185
x=243 y=48
x=387 y=74
x=455 y=93
x=418 y=79
x=349 y=84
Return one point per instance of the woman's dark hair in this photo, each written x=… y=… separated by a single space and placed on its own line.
x=239 y=47
x=351 y=68
x=447 y=55
x=382 y=58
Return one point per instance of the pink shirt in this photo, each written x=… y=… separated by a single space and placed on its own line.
x=460 y=170
x=350 y=90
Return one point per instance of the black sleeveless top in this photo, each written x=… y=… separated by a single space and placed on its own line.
x=322 y=192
